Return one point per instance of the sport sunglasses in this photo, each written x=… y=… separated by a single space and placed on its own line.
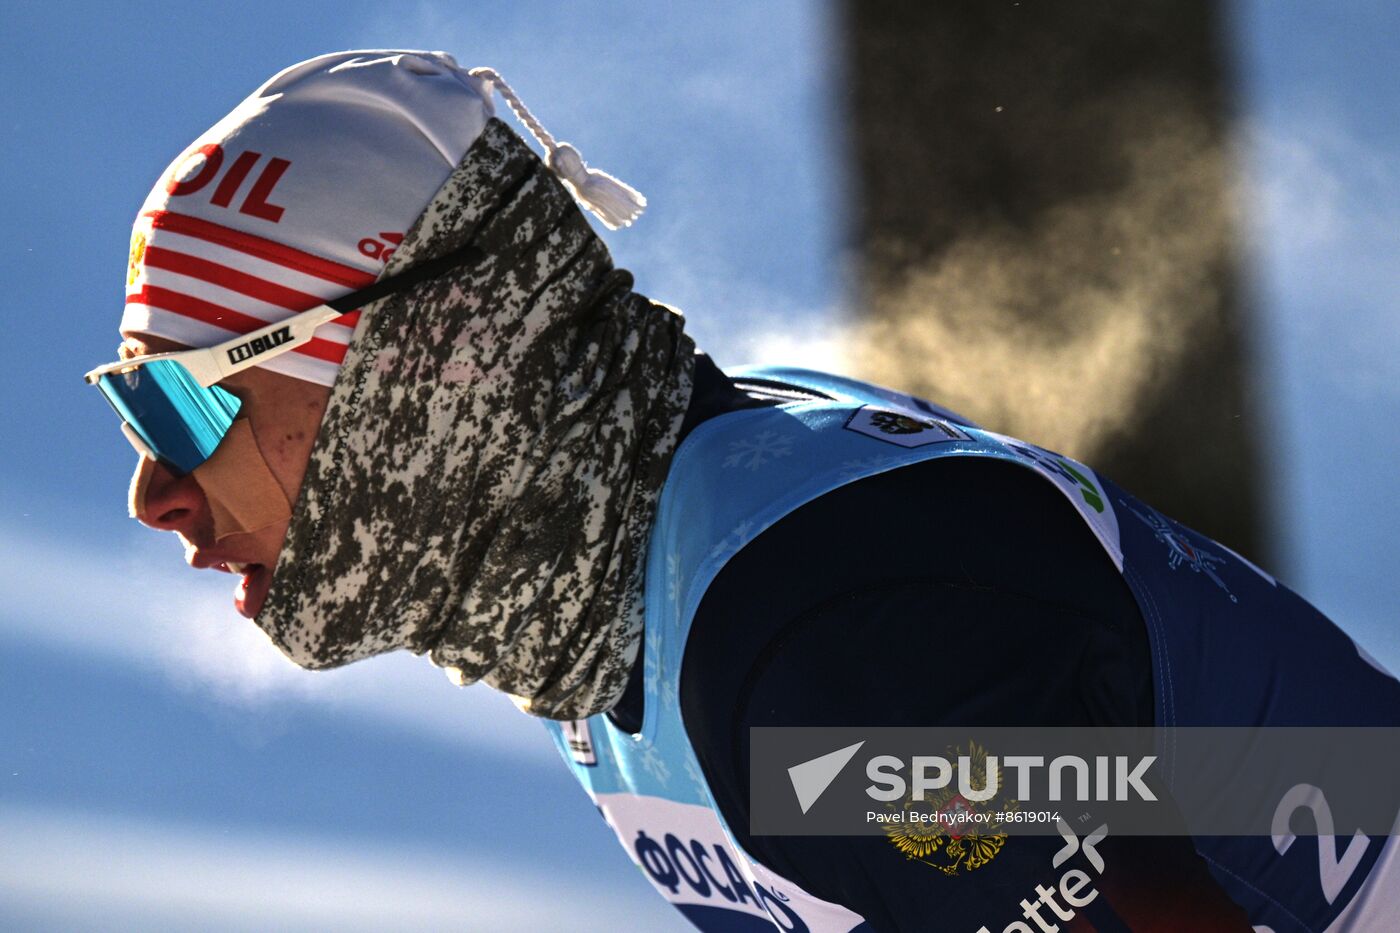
x=171 y=407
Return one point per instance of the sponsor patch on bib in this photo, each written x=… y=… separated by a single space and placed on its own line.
x=902 y=428
x=580 y=741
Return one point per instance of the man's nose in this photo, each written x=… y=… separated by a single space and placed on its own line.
x=162 y=500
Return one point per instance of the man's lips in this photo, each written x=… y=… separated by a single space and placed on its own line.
x=252 y=590
x=252 y=587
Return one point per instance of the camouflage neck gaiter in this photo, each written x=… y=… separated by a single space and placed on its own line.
x=487 y=472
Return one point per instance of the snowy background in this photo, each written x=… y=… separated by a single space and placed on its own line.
x=159 y=762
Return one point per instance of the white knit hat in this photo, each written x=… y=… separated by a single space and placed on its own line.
x=303 y=192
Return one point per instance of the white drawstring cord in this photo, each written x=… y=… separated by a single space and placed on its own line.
x=614 y=202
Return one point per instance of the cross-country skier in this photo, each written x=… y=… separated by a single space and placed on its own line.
x=379 y=367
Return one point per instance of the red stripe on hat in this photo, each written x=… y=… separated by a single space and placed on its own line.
x=263 y=248
x=234 y=280
x=200 y=310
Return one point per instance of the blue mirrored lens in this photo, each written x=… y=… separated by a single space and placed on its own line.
x=180 y=420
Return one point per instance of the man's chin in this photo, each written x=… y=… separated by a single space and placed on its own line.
x=251 y=592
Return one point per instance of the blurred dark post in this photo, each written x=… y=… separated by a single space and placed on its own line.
x=1043 y=200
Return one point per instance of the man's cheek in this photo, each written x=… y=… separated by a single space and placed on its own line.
x=140 y=483
x=244 y=496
